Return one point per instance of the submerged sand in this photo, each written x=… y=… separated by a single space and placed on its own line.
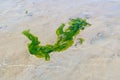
x=97 y=59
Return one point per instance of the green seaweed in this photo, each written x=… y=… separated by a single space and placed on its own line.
x=26 y=11
x=65 y=39
x=81 y=40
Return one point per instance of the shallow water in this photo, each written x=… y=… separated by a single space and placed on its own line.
x=97 y=59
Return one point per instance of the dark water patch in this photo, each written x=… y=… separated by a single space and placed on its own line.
x=84 y=15
x=98 y=37
x=3 y=27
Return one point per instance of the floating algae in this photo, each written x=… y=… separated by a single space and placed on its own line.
x=65 y=39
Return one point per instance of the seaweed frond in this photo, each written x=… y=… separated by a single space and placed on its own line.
x=65 y=39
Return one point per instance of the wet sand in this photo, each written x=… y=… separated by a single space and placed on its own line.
x=98 y=58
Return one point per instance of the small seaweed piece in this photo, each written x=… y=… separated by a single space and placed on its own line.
x=65 y=39
x=26 y=11
x=81 y=40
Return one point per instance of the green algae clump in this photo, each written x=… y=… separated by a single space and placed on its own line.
x=65 y=39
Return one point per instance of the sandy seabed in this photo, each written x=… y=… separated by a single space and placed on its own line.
x=97 y=59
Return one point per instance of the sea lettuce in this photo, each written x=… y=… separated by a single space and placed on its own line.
x=65 y=39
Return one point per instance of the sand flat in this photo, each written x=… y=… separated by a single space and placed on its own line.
x=97 y=59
